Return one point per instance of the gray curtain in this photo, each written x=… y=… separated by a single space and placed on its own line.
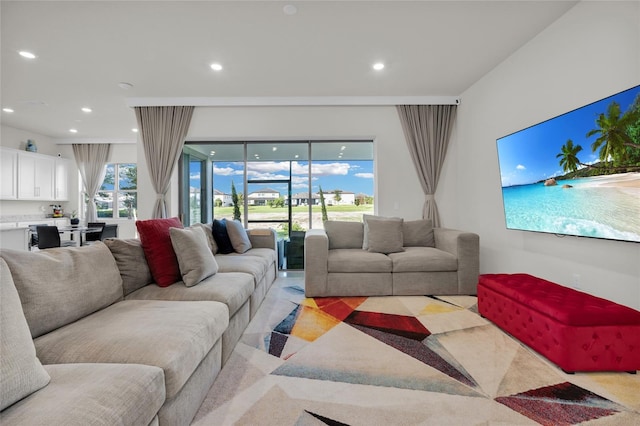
x=427 y=129
x=92 y=160
x=162 y=130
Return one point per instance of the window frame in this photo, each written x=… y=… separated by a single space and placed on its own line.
x=116 y=192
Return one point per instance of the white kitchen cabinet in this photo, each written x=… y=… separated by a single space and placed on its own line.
x=8 y=174
x=61 y=179
x=30 y=176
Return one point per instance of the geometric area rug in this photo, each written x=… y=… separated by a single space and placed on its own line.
x=413 y=360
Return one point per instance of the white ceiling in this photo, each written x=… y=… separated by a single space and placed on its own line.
x=164 y=48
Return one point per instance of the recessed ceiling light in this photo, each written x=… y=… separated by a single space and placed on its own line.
x=124 y=85
x=7 y=110
x=216 y=66
x=86 y=109
x=290 y=10
x=378 y=66
x=26 y=54
x=275 y=148
x=342 y=148
x=297 y=156
x=134 y=130
x=73 y=130
x=212 y=153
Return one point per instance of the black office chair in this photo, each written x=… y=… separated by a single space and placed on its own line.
x=109 y=231
x=49 y=237
x=33 y=233
x=94 y=236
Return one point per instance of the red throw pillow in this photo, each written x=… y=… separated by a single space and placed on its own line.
x=156 y=243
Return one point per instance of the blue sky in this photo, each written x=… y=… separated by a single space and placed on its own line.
x=529 y=155
x=353 y=176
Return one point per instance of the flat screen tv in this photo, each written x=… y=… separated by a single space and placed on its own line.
x=578 y=173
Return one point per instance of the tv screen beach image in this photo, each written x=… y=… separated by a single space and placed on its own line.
x=578 y=173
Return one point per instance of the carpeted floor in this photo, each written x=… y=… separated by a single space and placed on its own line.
x=400 y=361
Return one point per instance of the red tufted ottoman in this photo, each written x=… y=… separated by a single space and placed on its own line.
x=575 y=330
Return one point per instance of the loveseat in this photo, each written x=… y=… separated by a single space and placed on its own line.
x=389 y=256
x=89 y=337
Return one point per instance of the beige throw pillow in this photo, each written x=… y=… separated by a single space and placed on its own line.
x=194 y=255
x=238 y=236
x=368 y=217
x=384 y=236
x=21 y=373
x=208 y=231
x=131 y=262
x=344 y=234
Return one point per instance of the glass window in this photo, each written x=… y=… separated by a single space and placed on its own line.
x=118 y=194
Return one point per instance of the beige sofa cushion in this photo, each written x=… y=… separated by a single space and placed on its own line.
x=20 y=370
x=61 y=285
x=423 y=259
x=194 y=255
x=92 y=394
x=149 y=332
x=131 y=262
x=343 y=234
x=253 y=265
x=357 y=260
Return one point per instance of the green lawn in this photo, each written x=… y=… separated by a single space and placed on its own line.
x=228 y=211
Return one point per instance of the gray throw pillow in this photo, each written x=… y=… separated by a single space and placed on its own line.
x=208 y=230
x=21 y=372
x=343 y=234
x=418 y=233
x=368 y=217
x=194 y=255
x=384 y=236
x=238 y=236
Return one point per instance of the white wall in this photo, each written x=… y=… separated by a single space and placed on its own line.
x=397 y=192
x=593 y=51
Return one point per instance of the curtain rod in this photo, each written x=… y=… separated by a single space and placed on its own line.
x=296 y=101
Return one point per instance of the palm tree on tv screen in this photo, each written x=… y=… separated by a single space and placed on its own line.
x=613 y=132
x=569 y=156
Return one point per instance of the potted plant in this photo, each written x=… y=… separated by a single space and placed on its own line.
x=74 y=217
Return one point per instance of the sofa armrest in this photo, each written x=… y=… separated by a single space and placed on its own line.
x=465 y=246
x=316 y=261
x=262 y=238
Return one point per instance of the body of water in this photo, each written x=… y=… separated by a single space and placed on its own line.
x=586 y=209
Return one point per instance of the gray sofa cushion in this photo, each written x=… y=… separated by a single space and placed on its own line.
x=194 y=255
x=418 y=233
x=384 y=236
x=61 y=285
x=231 y=288
x=253 y=265
x=423 y=259
x=131 y=262
x=267 y=254
x=20 y=371
x=357 y=260
x=149 y=332
x=92 y=394
x=343 y=234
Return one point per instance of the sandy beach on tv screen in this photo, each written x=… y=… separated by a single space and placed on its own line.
x=620 y=180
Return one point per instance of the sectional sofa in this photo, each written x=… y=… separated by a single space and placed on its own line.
x=390 y=256
x=89 y=337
